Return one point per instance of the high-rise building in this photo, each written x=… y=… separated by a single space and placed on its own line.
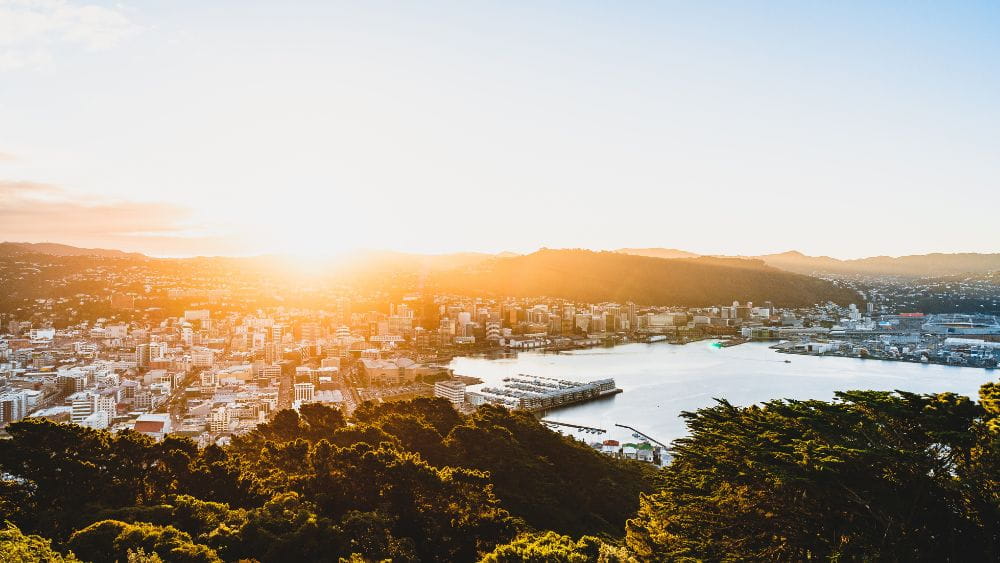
x=142 y=355
x=13 y=406
x=82 y=406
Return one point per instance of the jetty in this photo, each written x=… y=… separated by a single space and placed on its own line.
x=590 y=429
x=646 y=436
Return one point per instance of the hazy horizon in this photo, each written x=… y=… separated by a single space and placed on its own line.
x=845 y=130
x=362 y=249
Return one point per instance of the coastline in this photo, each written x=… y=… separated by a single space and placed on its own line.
x=507 y=352
x=930 y=361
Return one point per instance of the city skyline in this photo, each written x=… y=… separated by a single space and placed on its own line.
x=442 y=128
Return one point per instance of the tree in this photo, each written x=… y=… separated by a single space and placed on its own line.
x=437 y=412
x=872 y=475
x=416 y=435
x=537 y=474
x=16 y=547
x=111 y=540
x=66 y=471
x=550 y=547
x=321 y=420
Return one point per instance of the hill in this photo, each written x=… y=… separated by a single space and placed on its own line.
x=669 y=253
x=584 y=275
x=53 y=249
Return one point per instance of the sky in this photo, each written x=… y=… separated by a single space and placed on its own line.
x=180 y=128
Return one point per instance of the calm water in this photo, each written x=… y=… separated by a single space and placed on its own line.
x=661 y=380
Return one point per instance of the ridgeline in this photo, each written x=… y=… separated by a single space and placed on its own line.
x=595 y=277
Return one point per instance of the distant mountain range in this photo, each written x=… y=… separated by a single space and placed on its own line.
x=376 y=262
x=583 y=275
x=921 y=265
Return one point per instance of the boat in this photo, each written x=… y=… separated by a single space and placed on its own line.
x=788 y=361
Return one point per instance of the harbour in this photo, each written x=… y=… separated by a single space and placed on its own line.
x=659 y=381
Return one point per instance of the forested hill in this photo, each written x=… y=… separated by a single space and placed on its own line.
x=871 y=476
x=584 y=275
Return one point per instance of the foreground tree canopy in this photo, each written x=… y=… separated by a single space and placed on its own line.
x=870 y=475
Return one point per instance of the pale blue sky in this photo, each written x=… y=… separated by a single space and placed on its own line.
x=847 y=128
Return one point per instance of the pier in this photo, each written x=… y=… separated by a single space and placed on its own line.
x=576 y=426
x=646 y=436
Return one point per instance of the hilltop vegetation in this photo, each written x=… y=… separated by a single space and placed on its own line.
x=308 y=487
x=610 y=276
x=869 y=476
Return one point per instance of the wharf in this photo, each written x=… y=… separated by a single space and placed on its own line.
x=576 y=426
x=538 y=394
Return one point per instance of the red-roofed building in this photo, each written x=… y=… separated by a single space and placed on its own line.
x=154 y=425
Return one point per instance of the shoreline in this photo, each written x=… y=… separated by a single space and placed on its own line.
x=659 y=383
x=930 y=362
x=725 y=342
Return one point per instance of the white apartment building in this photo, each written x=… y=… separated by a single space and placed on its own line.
x=106 y=401
x=98 y=420
x=454 y=391
x=13 y=406
x=83 y=406
x=305 y=392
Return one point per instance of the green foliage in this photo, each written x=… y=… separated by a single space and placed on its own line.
x=550 y=547
x=873 y=475
x=536 y=473
x=407 y=481
x=109 y=541
x=140 y=556
x=989 y=398
x=65 y=467
x=552 y=481
x=542 y=548
x=16 y=547
x=437 y=412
